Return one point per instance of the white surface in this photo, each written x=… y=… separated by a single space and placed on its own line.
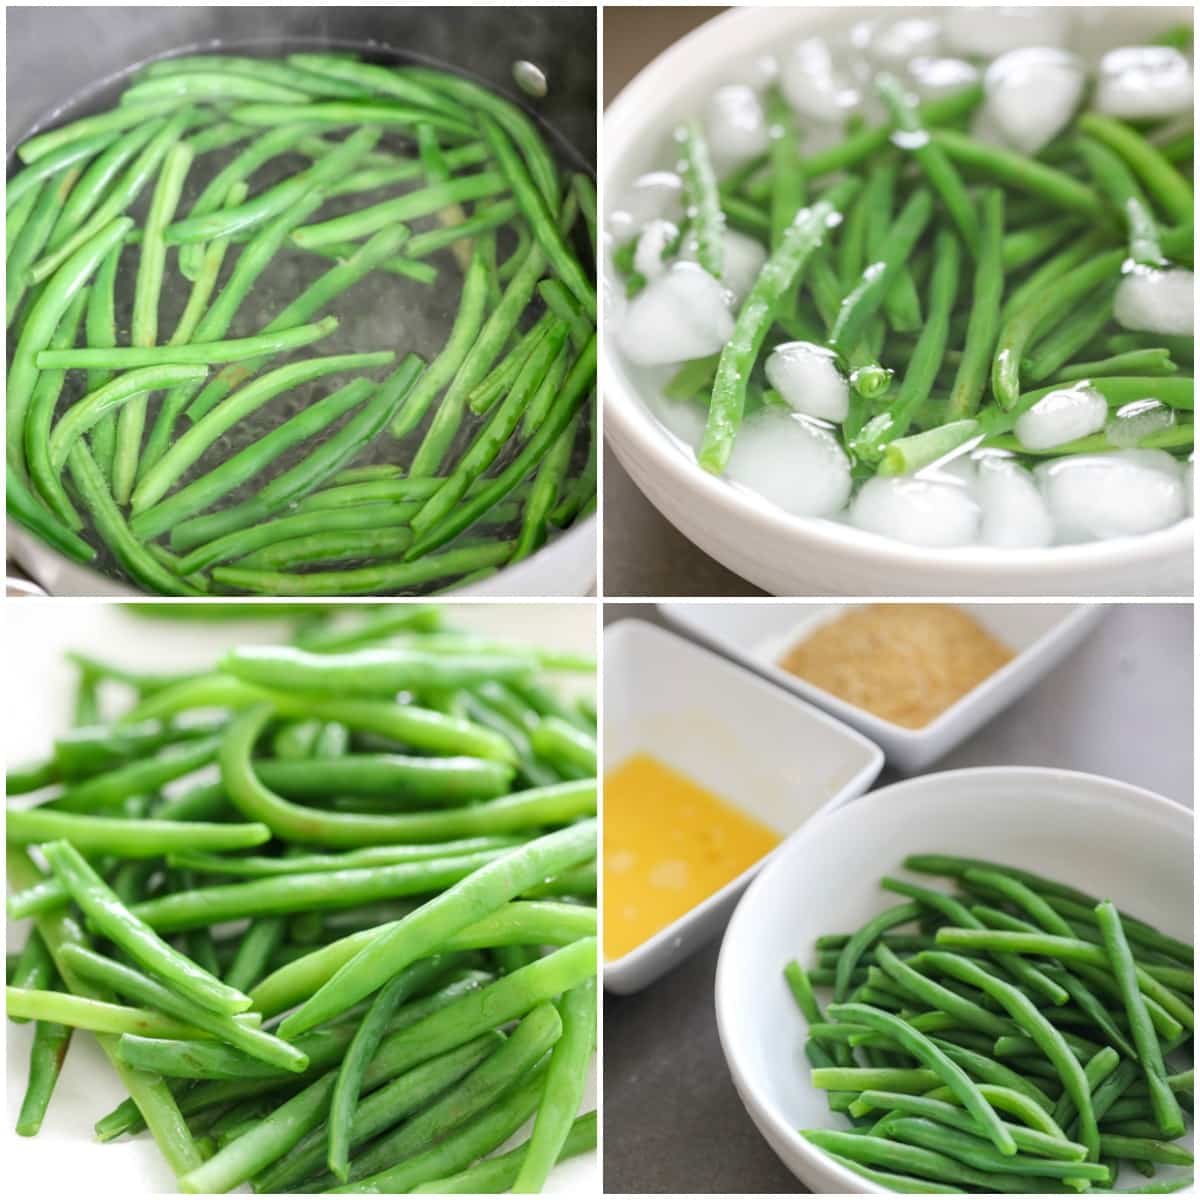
x=1107 y=838
x=758 y=635
x=793 y=556
x=774 y=757
x=65 y=1158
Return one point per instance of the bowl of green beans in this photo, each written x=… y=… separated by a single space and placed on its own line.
x=980 y=980
x=312 y=319
x=879 y=295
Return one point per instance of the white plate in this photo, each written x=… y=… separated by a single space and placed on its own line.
x=1107 y=838
x=768 y=754
x=65 y=1157
x=758 y=634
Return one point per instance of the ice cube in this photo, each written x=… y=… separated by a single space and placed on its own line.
x=1138 y=419
x=985 y=32
x=742 y=258
x=736 y=127
x=1138 y=82
x=1098 y=496
x=917 y=511
x=649 y=258
x=1156 y=301
x=792 y=462
x=1030 y=95
x=894 y=44
x=1014 y=513
x=683 y=314
x=1062 y=416
x=815 y=84
x=656 y=194
x=808 y=378
x=935 y=77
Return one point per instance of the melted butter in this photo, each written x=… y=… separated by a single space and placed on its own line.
x=668 y=845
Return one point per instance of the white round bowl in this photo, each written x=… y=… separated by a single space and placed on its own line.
x=1105 y=837
x=789 y=555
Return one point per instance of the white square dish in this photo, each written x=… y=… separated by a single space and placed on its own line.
x=770 y=755
x=756 y=635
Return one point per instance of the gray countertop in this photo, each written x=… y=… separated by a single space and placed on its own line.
x=1120 y=705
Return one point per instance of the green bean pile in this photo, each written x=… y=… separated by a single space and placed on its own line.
x=362 y=955
x=1017 y=1041
x=955 y=282
x=253 y=174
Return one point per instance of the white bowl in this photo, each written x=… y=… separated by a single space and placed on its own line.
x=757 y=634
x=774 y=757
x=791 y=556
x=1105 y=837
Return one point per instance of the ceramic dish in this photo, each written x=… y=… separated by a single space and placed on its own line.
x=787 y=555
x=781 y=760
x=756 y=635
x=1106 y=837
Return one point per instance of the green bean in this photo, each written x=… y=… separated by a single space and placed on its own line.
x=1164 y=183
x=142 y=566
x=42 y=404
x=1116 y=182
x=976 y=1152
x=1027 y=1016
x=192 y=445
x=130 y=839
x=984 y=323
x=864 y=938
x=890 y=1180
x=1116 y=949
x=213 y=86
x=27 y=182
x=537 y=922
x=911 y=135
x=45 y=316
x=270 y=342
x=496 y=331
x=217 y=137
x=545 y=492
x=121 y=926
x=926 y=360
x=469 y=1142
x=148 y=1094
x=859 y=306
x=51 y=1040
x=24 y=508
x=1154 y=361
x=355 y=225
x=1144 y=1149
x=324 y=890
x=32 y=239
x=492 y=438
x=259 y=68
x=144 y=324
x=102 y=333
x=202 y=492
x=914 y=1161
x=778 y=275
x=118 y=198
x=98 y=1016
x=496 y=1174
x=1148 y=976
x=1022 y=324
x=701 y=197
x=1077 y=329
x=538 y=216
x=306 y=475
x=85 y=413
x=111 y=788
x=18 y=212
x=435 y=781
x=564 y=1086
x=442 y=370
x=574 y=390
x=538 y=1032
x=930 y=1056
x=787 y=170
x=251 y=1040
x=1025 y=174
x=368 y=77
x=469 y=900
x=43 y=144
